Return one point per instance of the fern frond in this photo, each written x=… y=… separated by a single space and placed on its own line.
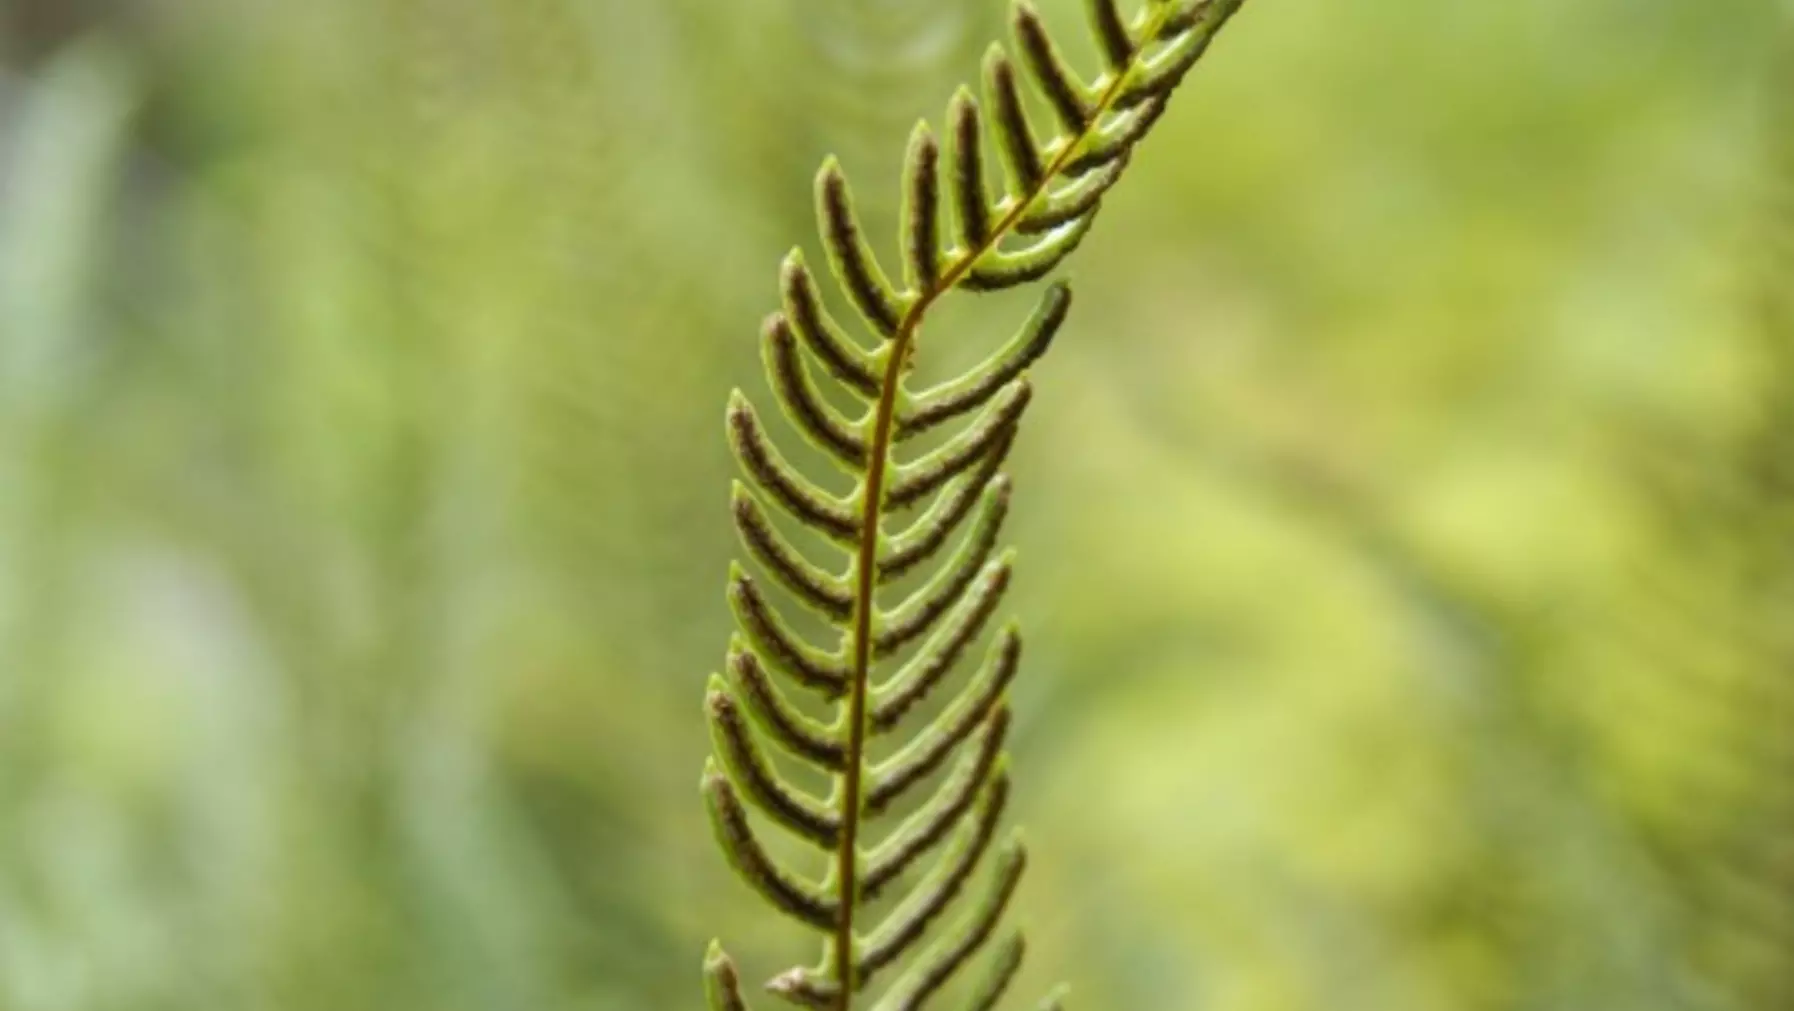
x=955 y=233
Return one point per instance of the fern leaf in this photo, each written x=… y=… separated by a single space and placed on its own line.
x=722 y=984
x=1069 y=96
x=846 y=361
x=911 y=482
x=954 y=234
x=823 y=591
x=928 y=826
x=973 y=389
x=924 y=673
x=924 y=537
x=790 y=377
x=928 y=605
x=799 y=735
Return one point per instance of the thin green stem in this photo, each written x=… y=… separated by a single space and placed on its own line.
x=846 y=864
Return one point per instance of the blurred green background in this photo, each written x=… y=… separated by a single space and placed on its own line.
x=1407 y=513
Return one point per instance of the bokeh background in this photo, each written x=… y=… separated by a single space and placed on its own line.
x=1407 y=515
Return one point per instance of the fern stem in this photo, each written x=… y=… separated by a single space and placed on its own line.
x=846 y=865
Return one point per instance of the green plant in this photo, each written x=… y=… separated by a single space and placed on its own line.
x=1052 y=192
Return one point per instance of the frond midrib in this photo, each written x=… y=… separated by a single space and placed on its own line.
x=872 y=509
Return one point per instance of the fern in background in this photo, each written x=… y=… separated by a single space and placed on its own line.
x=1051 y=193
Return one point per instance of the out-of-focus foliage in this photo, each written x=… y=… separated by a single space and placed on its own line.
x=1405 y=520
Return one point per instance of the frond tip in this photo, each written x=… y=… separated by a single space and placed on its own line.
x=946 y=869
